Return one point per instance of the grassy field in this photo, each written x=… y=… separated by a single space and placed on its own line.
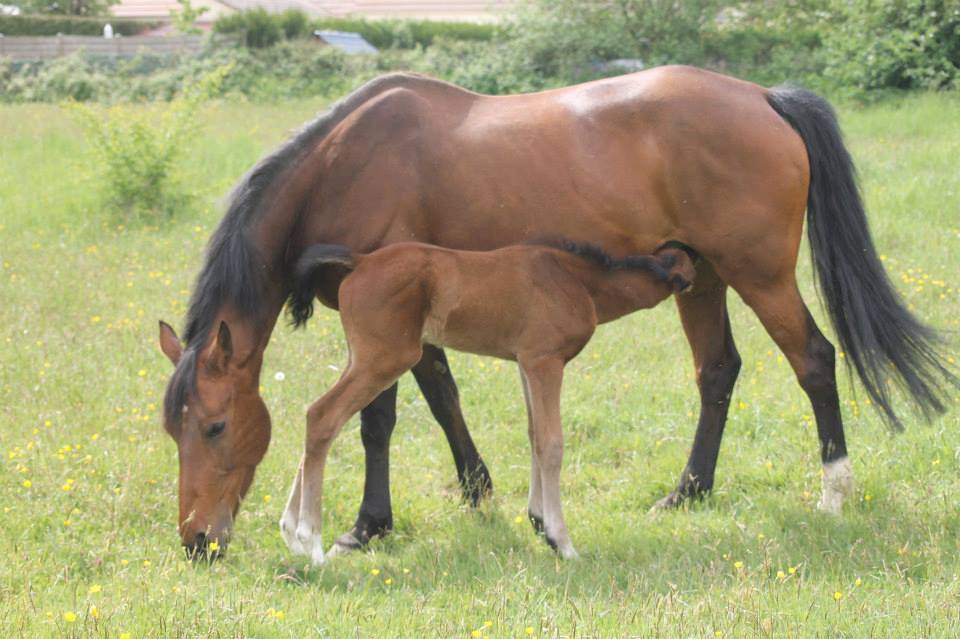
x=88 y=544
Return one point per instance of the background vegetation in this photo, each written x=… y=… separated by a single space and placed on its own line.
x=88 y=546
x=842 y=48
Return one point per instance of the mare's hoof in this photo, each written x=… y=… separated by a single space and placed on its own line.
x=476 y=485
x=670 y=502
x=344 y=544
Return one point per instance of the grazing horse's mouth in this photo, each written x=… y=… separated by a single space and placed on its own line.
x=205 y=549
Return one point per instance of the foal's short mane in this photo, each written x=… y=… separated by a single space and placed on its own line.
x=595 y=254
x=235 y=272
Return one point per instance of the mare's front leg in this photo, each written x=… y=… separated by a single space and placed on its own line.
x=543 y=377
x=440 y=390
x=703 y=311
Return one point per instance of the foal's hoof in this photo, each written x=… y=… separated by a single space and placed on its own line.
x=536 y=521
x=288 y=530
x=312 y=543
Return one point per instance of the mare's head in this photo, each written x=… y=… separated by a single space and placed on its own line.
x=214 y=413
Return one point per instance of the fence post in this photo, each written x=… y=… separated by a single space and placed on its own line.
x=59 y=44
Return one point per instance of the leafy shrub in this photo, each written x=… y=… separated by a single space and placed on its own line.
x=259 y=28
x=895 y=44
x=33 y=25
x=294 y=24
x=137 y=150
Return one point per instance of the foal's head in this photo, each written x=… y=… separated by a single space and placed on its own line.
x=214 y=412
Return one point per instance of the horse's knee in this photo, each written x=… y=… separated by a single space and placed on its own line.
x=716 y=380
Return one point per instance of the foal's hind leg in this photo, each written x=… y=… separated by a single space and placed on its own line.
x=785 y=316
x=703 y=311
x=544 y=377
x=440 y=390
x=535 y=494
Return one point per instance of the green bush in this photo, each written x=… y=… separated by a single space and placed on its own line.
x=294 y=24
x=894 y=44
x=31 y=25
x=137 y=150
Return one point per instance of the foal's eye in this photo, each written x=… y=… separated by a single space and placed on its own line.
x=215 y=429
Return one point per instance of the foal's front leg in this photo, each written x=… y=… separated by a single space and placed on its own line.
x=543 y=379
x=291 y=515
x=325 y=418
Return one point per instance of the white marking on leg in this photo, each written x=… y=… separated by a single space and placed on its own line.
x=837 y=483
x=291 y=515
x=312 y=541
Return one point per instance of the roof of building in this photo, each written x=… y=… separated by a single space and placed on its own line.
x=345 y=41
x=159 y=10
x=472 y=10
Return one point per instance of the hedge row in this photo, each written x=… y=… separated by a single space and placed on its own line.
x=67 y=25
x=262 y=29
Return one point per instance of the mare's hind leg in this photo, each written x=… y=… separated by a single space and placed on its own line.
x=377 y=420
x=543 y=379
x=785 y=316
x=440 y=390
x=703 y=311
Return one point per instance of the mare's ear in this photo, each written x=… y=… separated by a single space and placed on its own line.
x=221 y=350
x=170 y=343
x=679 y=267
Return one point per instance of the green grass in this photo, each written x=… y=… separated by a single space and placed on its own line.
x=81 y=378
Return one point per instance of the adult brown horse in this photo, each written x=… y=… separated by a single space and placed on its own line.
x=673 y=155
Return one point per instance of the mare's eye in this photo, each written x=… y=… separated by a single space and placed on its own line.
x=215 y=429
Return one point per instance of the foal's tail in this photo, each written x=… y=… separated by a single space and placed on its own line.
x=313 y=260
x=882 y=340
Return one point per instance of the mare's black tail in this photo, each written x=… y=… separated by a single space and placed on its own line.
x=315 y=258
x=882 y=340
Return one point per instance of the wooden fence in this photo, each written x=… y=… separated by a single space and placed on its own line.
x=46 y=47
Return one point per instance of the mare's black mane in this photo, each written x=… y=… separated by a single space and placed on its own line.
x=235 y=272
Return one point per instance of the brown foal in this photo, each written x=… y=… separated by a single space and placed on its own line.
x=536 y=304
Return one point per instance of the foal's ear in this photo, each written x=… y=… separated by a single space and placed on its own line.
x=221 y=350
x=679 y=267
x=170 y=343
